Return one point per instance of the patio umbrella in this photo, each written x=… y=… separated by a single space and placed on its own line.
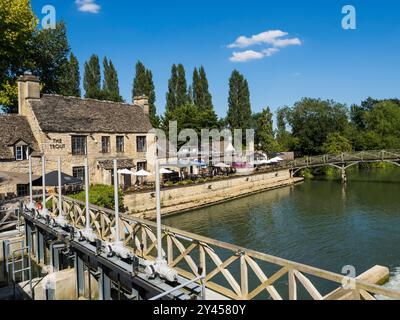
x=142 y=173
x=230 y=148
x=198 y=163
x=276 y=159
x=165 y=171
x=52 y=180
x=125 y=171
x=221 y=165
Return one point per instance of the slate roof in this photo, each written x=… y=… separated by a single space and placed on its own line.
x=121 y=164
x=14 y=128
x=57 y=113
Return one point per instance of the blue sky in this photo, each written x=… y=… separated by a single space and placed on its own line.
x=320 y=58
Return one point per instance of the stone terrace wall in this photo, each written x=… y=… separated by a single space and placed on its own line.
x=183 y=198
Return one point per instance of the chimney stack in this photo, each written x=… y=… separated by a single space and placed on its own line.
x=143 y=102
x=28 y=88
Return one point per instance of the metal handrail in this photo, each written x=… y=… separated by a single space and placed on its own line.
x=161 y=295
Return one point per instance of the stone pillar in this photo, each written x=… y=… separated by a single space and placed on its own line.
x=143 y=102
x=343 y=174
x=28 y=88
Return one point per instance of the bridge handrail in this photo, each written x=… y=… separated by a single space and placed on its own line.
x=358 y=156
x=185 y=247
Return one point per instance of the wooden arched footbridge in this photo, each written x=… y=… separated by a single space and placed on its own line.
x=345 y=160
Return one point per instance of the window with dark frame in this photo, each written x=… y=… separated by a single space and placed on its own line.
x=105 y=144
x=120 y=143
x=79 y=172
x=78 y=144
x=22 y=190
x=141 y=144
x=141 y=166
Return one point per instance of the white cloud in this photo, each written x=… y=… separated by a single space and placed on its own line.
x=271 y=37
x=248 y=55
x=270 y=51
x=274 y=39
x=280 y=43
x=88 y=6
x=268 y=37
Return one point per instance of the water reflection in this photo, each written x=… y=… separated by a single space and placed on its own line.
x=321 y=222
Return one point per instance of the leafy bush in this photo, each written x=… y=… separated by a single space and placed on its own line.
x=102 y=195
x=168 y=184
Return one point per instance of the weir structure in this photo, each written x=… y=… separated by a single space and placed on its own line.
x=132 y=258
x=345 y=160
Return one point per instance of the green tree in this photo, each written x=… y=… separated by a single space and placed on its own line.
x=110 y=82
x=384 y=119
x=17 y=26
x=186 y=116
x=202 y=98
x=182 y=97
x=336 y=143
x=71 y=78
x=264 y=132
x=239 y=108
x=50 y=55
x=178 y=93
x=92 y=78
x=312 y=120
x=143 y=85
x=172 y=87
x=283 y=137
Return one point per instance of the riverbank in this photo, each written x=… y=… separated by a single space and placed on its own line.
x=184 y=198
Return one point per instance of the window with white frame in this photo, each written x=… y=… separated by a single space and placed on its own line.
x=21 y=153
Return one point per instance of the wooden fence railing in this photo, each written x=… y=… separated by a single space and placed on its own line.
x=228 y=267
x=346 y=157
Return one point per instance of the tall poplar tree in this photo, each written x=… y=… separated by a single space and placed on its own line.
x=92 y=78
x=181 y=87
x=202 y=98
x=171 y=94
x=143 y=85
x=71 y=78
x=110 y=83
x=239 y=108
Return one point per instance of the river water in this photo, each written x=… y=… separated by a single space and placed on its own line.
x=321 y=223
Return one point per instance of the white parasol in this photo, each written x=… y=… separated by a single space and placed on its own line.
x=165 y=171
x=221 y=165
x=125 y=171
x=142 y=173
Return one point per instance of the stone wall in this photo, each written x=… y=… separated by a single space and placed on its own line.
x=59 y=144
x=187 y=197
x=19 y=167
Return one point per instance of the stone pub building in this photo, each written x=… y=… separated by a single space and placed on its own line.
x=74 y=128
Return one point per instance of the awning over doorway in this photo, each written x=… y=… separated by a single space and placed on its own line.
x=121 y=164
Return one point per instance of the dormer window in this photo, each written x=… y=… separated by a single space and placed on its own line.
x=21 y=153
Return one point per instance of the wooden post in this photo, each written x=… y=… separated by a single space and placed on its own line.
x=170 y=250
x=244 y=281
x=292 y=285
